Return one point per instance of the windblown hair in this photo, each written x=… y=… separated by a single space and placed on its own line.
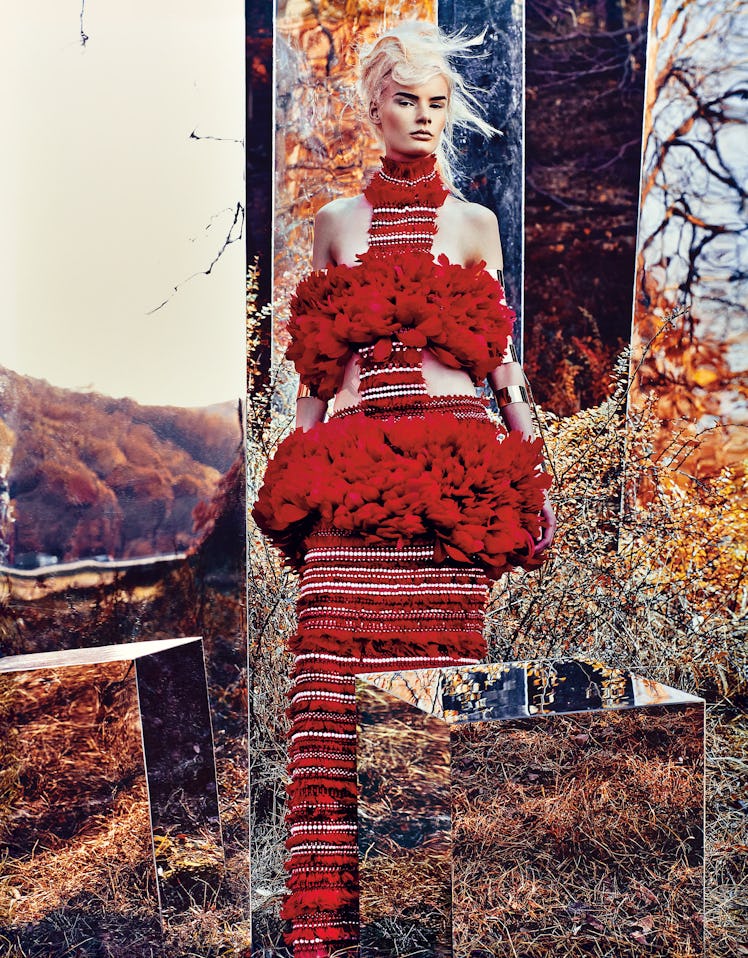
x=411 y=53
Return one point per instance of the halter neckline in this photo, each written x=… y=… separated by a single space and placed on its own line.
x=405 y=196
x=409 y=171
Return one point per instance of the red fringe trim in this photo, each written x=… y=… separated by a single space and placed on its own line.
x=457 y=644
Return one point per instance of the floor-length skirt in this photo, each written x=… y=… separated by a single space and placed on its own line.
x=362 y=608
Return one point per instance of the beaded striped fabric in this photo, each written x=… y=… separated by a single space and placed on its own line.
x=361 y=609
x=394 y=381
x=405 y=200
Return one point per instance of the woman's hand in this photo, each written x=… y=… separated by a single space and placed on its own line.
x=548 y=523
x=309 y=411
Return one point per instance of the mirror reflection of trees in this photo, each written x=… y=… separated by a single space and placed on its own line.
x=693 y=239
x=585 y=94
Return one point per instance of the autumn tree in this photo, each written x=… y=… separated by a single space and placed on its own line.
x=693 y=236
x=585 y=95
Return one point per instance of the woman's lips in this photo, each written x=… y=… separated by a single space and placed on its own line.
x=421 y=135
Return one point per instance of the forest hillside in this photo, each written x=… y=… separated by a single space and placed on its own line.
x=89 y=475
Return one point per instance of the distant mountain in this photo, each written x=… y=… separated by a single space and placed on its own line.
x=92 y=475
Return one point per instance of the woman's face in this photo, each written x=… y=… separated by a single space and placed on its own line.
x=411 y=118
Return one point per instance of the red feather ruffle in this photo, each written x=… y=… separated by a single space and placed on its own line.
x=454 y=311
x=392 y=481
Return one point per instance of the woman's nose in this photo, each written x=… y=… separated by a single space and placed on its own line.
x=423 y=115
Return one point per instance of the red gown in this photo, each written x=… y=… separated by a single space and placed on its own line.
x=399 y=512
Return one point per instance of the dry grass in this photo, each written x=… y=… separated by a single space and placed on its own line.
x=575 y=830
x=78 y=869
x=404 y=827
x=726 y=891
x=95 y=896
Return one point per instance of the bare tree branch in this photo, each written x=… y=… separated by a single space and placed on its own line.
x=234 y=234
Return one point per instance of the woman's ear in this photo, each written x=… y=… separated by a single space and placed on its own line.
x=374 y=113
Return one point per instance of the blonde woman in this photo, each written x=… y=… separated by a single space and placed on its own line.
x=405 y=505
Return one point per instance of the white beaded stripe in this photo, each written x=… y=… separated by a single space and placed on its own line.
x=305 y=754
x=401 y=628
x=325 y=848
x=381 y=589
x=398 y=238
x=380 y=222
x=329 y=676
x=324 y=827
x=381 y=585
x=383 y=370
x=304 y=677
x=344 y=611
x=365 y=613
x=333 y=696
x=352 y=659
x=363 y=552
x=344 y=575
x=314 y=770
x=320 y=716
x=387 y=572
x=367 y=658
x=394 y=389
x=312 y=734
x=407 y=183
x=404 y=209
x=393 y=392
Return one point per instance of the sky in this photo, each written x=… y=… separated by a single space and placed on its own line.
x=108 y=203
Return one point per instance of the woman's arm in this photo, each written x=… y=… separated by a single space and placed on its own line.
x=324 y=233
x=508 y=380
x=309 y=409
x=508 y=383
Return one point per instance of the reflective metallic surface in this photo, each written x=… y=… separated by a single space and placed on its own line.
x=111 y=754
x=575 y=821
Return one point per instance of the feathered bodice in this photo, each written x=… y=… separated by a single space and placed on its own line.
x=397 y=301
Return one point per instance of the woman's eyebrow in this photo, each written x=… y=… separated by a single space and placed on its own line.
x=414 y=98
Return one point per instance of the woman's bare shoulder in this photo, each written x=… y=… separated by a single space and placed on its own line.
x=470 y=214
x=340 y=231
x=478 y=229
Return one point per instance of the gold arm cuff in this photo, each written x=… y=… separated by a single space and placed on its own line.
x=510 y=394
x=305 y=392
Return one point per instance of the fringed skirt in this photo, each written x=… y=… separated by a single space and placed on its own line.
x=361 y=609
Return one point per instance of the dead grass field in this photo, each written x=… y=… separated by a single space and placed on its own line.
x=95 y=897
x=579 y=835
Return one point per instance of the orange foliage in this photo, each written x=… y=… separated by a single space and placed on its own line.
x=685 y=382
x=90 y=474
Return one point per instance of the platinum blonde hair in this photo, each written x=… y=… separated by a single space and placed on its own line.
x=414 y=52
